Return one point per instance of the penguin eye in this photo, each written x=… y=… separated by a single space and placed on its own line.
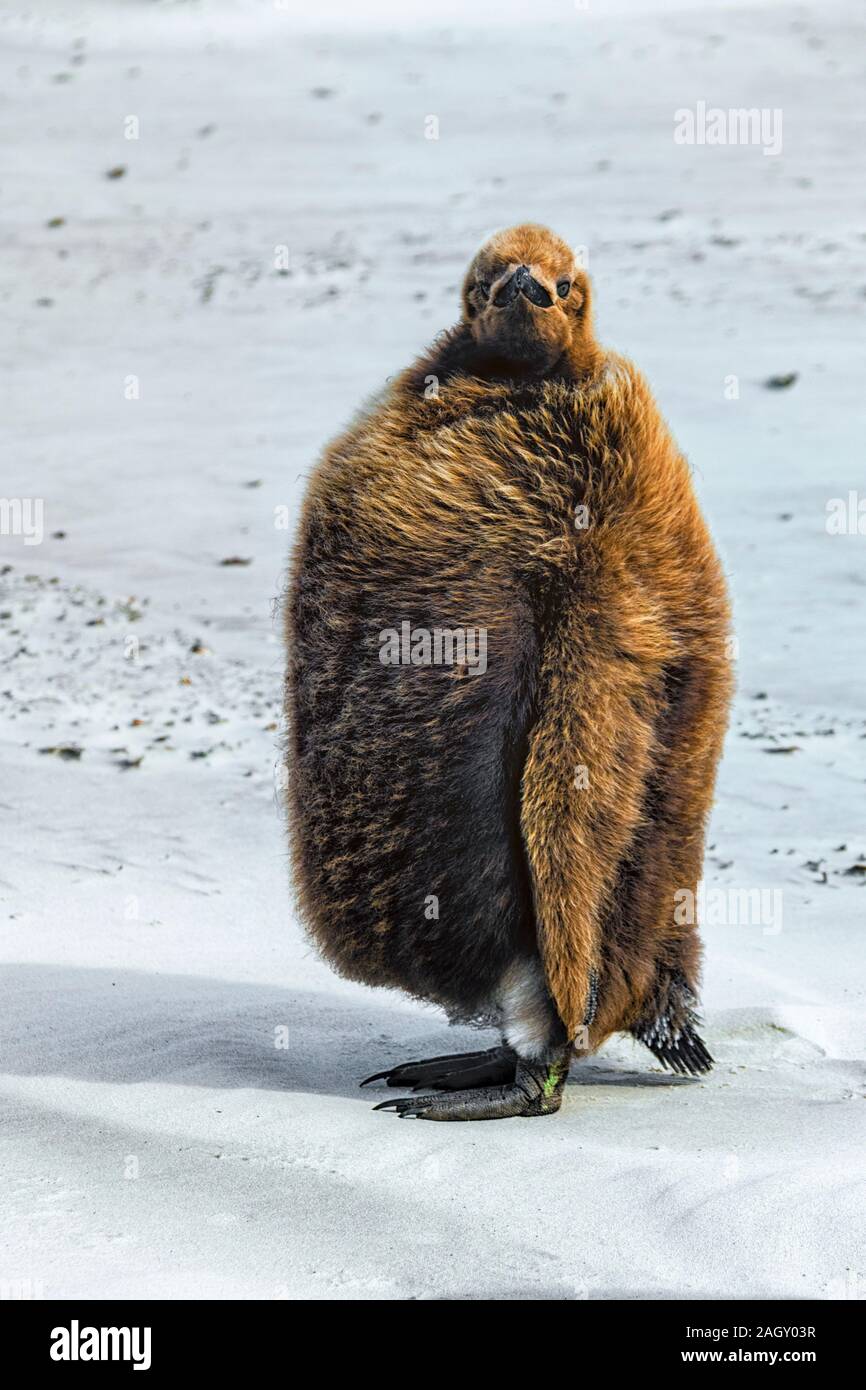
x=562 y=288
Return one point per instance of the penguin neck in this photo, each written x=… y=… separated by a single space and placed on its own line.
x=459 y=354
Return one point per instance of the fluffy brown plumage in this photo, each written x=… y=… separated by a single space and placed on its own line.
x=517 y=480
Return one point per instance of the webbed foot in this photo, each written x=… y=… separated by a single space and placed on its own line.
x=536 y=1090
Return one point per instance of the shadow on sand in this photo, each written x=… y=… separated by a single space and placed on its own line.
x=126 y=1026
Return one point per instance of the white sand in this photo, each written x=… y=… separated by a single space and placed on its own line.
x=155 y=1139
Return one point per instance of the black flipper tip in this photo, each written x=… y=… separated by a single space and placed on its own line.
x=377 y=1076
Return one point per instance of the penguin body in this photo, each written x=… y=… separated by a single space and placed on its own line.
x=507 y=691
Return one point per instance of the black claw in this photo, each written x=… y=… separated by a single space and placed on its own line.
x=404 y=1106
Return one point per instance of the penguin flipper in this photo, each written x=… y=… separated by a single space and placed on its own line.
x=457 y=1072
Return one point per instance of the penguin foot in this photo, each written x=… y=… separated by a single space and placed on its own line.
x=457 y=1072
x=536 y=1090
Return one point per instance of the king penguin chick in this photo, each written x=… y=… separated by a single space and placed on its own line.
x=507 y=688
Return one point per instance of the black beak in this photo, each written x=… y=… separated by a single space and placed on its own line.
x=521 y=282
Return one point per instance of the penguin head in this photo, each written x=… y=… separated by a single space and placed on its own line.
x=526 y=301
